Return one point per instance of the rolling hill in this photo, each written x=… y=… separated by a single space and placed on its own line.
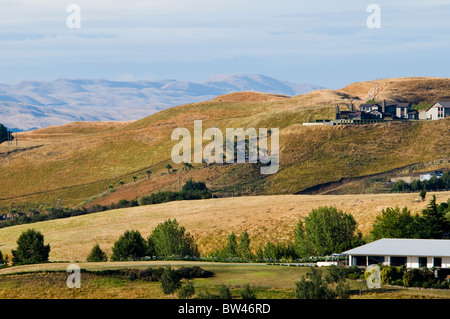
x=37 y=104
x=85 y=163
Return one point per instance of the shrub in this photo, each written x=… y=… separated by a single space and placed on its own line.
x=130 y=246
x=186 y=291
x=247 y=292
x=224 y=292
x=30 y=248
x=97 y=255
x=170 y=281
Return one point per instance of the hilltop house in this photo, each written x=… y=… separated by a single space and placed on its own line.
x=377 y=111
x=438 y=110
x=413 y=253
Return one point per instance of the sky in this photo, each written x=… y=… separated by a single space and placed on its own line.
x=325 y=42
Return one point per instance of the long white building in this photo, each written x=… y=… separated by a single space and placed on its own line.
x=413 y=253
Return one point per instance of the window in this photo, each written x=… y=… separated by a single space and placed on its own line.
x=422 y=262
x=374 y=260
x=359 y=260
x=437 y=262
x=398 y=261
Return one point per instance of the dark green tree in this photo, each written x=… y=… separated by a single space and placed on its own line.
x=170 y=281
x=97 y=255
x=30 y=248
x=326 y=230
x=3 y=133
x=393 y=223
x=433 y=224
x=130 y=246
x=171 y=239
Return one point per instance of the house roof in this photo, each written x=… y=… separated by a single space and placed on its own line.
x=444 y=104
x=404 y=247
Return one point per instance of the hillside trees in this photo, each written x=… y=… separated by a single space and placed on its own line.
x=97 y=255
x=130 y=246
x=30 y=248
x=432 y=224
x=393 y=223
x=171 y=239
x=324 y=231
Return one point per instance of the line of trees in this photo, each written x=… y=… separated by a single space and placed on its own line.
x=324 y=231
x=416 y=185
x=433 y=223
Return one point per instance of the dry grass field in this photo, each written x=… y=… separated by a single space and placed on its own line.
x=210 y=221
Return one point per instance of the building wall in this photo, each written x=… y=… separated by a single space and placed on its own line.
x=432 y=113
x=412 y=261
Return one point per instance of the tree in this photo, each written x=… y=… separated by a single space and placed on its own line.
x=191 y=185
x=135 y=178
x=422 y=194
x=169 y=167
x=324 y=231
x=3 y=260
x=3 y=133
x=97 y=255
x=231 y=249
x=149 y=173
x=244 y=246
x=186 y=291
x=30 y=248
x=130 y=246
x=170 y=281
x=433 y=224
x=393 y=223
x=247 y=292
x=171 y=239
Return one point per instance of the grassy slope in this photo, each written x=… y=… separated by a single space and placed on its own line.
x=81 y=160
x=210 y=221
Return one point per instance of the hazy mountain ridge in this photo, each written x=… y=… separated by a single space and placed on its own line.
x=31 y=104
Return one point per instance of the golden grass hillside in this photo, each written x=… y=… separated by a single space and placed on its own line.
x=78 y=162
x=265 y=218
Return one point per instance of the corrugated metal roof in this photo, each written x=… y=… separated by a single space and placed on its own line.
x=404 y=247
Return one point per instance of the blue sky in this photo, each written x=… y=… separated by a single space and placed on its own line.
x=324 y=42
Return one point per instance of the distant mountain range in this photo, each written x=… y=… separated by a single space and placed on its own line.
x=34 y=104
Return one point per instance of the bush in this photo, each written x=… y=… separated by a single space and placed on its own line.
x=30 y=248
x=224 y=292
x=170 y=281
x=186 y=291
x=247 y=292
x=97 y=255
x=130 y=246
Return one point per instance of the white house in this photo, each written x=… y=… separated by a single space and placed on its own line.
x=438 y=110
x=414 y=253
